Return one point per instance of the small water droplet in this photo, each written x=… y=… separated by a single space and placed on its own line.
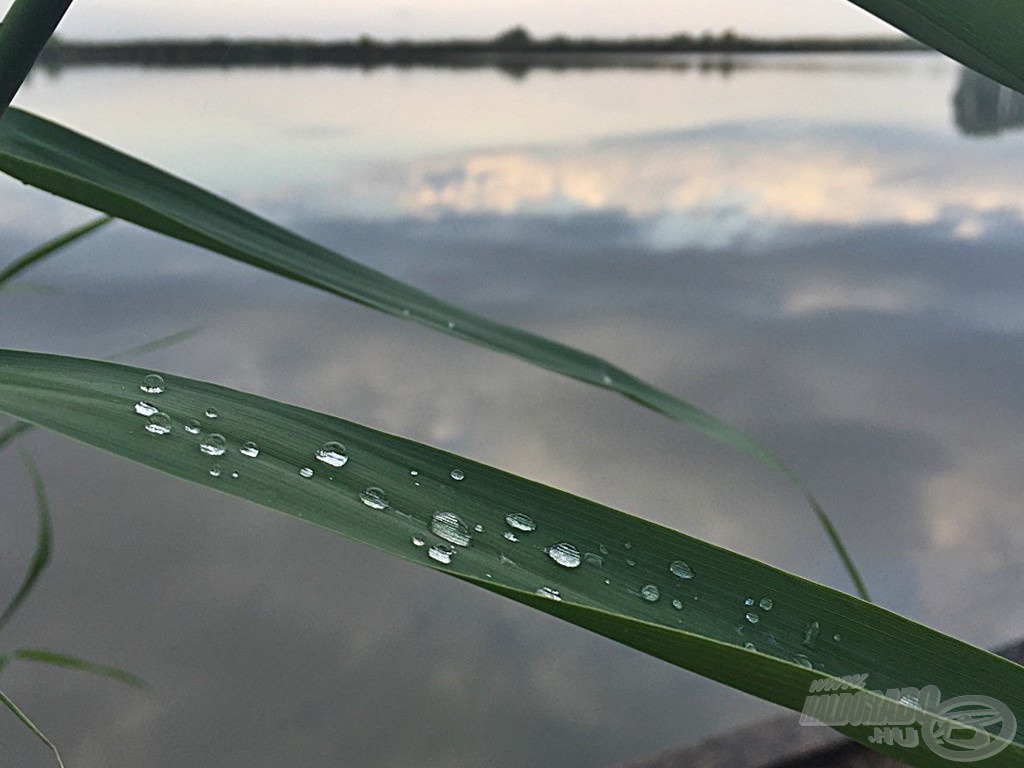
x=766 y=603
x=192 y=427
x=631 y=563
x=417 y=541
x=595 y=560
x=451 y=325
x=602 y=549
x=677 y=604
x=457 y=474
x=650 y=593
x=250 y=449
x=836 y=637
x=405 y=313
x=548 y=592
x=450 y=527
x=306 y=472
x=213 y=444
x=681 y=570
x=211 y=413
x=606 y=379
x=802 y=660
x=215 y=470
x=521 y=522
x=413 y=472
x=750 y=646
x=374 y=498
x=607 y=581
x=333 y=453
x=159 y=423
x=478 y=528
x=565 y=554
x=153 y=384
x=811 y=633
x=752 y=617
x=749 y=601
x=511 y=536
x=234 y=475
x=441 y=552
x=627 y=545
x=145 y=409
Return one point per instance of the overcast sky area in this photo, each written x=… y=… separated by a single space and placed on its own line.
x=387 y=19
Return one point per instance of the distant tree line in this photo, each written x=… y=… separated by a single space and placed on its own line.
x=513 y=45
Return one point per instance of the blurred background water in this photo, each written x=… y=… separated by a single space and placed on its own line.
x=823 y=250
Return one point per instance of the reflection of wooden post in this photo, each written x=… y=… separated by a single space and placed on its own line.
x=984 y=107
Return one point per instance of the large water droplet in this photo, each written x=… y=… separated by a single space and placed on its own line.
x=752 y=617
x=306 y=472
x=145 y=409
x=811 y=633
x=457 y=474
x=681 y=569
x=159 y=423
x=192 y=427
x=565 y=554
x=333 y=453
x=511 y=536
x=374 y=498
x=548 y=592
x=441 y=552
x=153 y=384
x=650 y=593
x=677 y=604
x=211 y=413
x=766 y=603
x=521 y=522
x=213 y=444
x=450 y=527
x=250 y=449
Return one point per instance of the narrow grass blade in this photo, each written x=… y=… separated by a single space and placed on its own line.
x=6 y=701
x=718 y=613
x=987 y=36
x=44 y=543
x=49 y=248
x=81 y=665
x=68 y=164
x=162 y=343
x=10 y=433
x=26 y=28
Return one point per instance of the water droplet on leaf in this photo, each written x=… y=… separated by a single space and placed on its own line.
x=333 y=453
x=650 y=593
x=811 y=633
x=548 y=592
x=520 y=522
x=565 y=554
x=213 y=445
x=159 y=423
x=192 y=427
x=306 y=472
x=145 y=409
x=752 y=617
x=441 y=553
x=211 y=413
x=681 y=570
x=766 y=603
x=450 y=527
x=457 y=474
x=250 y=449
x=153 y=384
x=374 y=498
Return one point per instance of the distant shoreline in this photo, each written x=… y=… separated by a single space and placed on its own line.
x=513 y=50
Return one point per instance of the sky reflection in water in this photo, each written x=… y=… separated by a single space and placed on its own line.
x=808 y=248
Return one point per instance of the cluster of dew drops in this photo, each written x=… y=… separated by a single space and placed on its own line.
x=447 y=526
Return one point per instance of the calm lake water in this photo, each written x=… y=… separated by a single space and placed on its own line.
x=815 y=248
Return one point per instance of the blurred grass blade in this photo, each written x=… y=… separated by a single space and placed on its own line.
x=986 y=35
x=36 y=255
x=73 y=166
x=7 y=435
x=44 y=542
x=81 y=665
x=162 y=343
x=6 y=701
x=720 y=614
x=26 y=28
